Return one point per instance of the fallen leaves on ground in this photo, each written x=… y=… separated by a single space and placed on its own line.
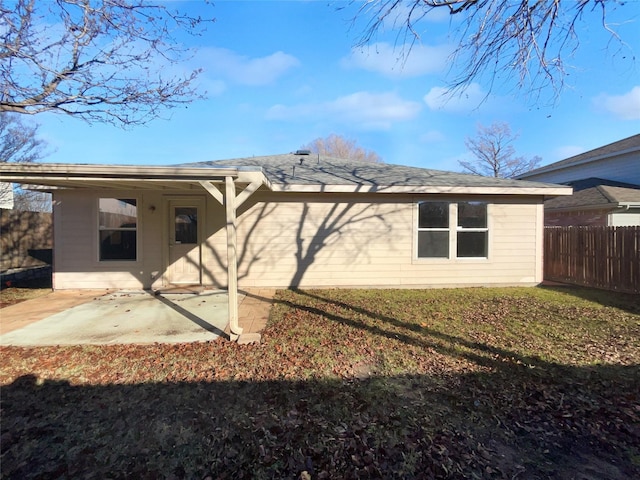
x=469 y=383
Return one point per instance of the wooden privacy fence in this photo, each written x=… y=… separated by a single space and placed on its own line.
x=601 y=257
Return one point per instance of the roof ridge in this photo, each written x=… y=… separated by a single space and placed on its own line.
x=608 y=195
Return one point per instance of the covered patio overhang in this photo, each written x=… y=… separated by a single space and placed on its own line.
x=230 y=186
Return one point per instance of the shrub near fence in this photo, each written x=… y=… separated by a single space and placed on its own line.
x=601 y=257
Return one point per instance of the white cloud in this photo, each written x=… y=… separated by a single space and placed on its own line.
x=221 y=62
x=373 y=111
x=442 y=99
x=625 y=107
x=400 y=61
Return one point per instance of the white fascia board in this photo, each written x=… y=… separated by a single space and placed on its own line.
x=56 y=175
x=248 y=177
x=546 y=191
x=111 y=171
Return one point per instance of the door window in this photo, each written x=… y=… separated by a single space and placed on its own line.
x=186 y=225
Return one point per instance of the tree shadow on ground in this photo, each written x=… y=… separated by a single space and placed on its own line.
x=480 y=426
x=475 y=410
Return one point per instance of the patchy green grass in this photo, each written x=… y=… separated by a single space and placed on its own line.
x=468 y=383
x=11 y=296
x=16 y=292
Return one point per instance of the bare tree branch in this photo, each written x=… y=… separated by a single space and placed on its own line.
x=19 y=143
x=521 y=39
x=102 y=61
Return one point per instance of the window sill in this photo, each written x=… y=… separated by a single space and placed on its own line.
x=117 y=263
x=446 y=261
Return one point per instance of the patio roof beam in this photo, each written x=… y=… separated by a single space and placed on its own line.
x=247 y=192
x=213 y=191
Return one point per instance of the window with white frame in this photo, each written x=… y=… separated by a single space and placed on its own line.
x=118 y=228
x=472 y=236
x=433 y=230
x=445 y=227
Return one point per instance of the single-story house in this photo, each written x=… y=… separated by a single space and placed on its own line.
x=606 y=186
x=292 y=220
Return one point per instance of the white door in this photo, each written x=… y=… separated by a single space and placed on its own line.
x=185 y=237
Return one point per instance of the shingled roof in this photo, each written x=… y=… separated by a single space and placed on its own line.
x=596 y=192
x=317 y=170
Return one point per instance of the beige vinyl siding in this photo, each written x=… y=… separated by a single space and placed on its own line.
x=371 y=243
x=76 y=263
x=306 y=240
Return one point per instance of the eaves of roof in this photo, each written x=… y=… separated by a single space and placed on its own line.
x=85 y=176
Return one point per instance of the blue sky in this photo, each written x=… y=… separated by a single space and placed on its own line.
x=280 y=74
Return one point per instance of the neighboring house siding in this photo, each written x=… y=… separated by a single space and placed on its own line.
x=623 y=168
x=624 y=219
x=584 y=217
x=591 y=217
x=305 y=240
x=6 y=195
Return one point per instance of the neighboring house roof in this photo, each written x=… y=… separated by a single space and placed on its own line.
x=596 y=192
x=594 y=182
x=621 y=147
x=300 y=172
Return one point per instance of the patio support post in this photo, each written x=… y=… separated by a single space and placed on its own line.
x=231 y=201
x=232 y=257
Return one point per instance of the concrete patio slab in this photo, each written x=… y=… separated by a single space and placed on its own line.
x=24 y=313
x=130 y=317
